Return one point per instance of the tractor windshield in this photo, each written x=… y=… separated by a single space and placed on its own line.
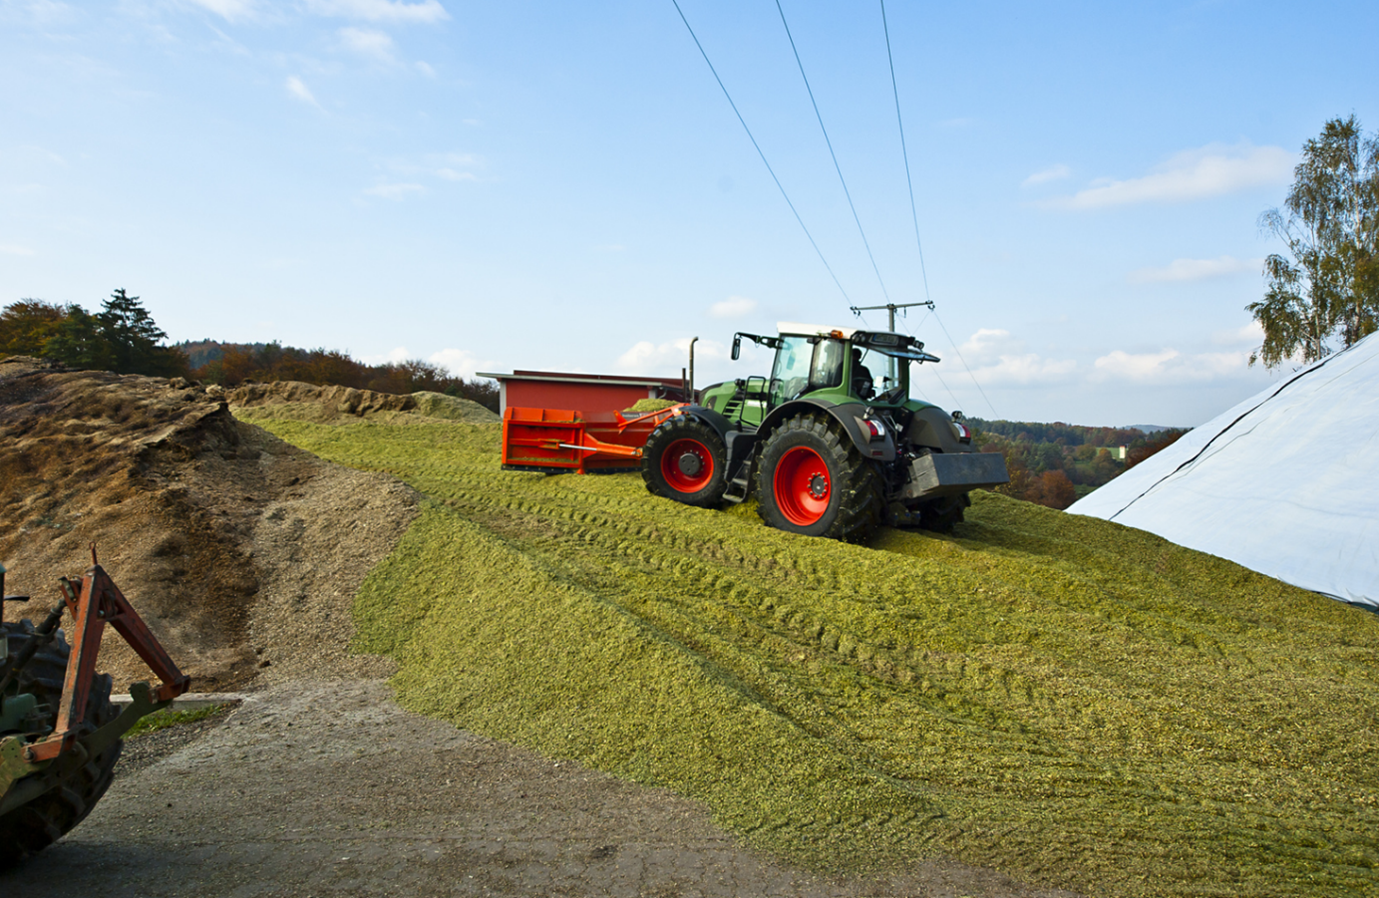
x=875 y=373
x=804 y=364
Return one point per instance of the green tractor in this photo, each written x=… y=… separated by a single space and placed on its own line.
x=830 y=448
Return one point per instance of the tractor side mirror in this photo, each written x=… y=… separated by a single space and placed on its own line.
x=737 y=346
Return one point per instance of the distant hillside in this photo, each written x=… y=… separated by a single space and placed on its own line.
x=203 y=352
x=230 y=364
x=1056 y=464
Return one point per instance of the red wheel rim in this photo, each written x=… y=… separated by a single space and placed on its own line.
x=687 y=465
x=802 y=485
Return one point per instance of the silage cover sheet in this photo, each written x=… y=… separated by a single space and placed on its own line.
x=1285 y=483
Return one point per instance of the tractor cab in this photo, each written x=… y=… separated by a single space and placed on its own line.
x=836 y=365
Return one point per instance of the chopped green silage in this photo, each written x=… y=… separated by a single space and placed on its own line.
x=651 y=405
x=1071 y=701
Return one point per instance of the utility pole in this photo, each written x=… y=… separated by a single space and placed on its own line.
x=891 y=307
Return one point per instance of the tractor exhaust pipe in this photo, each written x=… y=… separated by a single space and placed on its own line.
x=689 y=396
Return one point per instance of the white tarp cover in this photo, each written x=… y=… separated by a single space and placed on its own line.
x=1286 y=483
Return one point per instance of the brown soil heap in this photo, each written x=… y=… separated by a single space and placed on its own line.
x=241 y=552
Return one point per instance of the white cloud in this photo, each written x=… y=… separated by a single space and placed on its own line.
x=425 y=69
x=10 y=249
x=650 y=358
x=1053 y=173
x=394 y=191
x=380 y=10
x=46 y=13
x=300 y=91
x=733 y=307
x=1195 y=269
x=228 y=9
x=460 y=362
x=392 y=356
x=1252 y=333
x=368 y=42
x=998 y=358
x=452 y=166
x=1212 y=170
x=1169 y=366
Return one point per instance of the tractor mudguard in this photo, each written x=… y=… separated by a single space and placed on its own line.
x=709 y=417
x=849 y=415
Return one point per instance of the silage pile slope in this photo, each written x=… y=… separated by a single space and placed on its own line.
x=1071 y=701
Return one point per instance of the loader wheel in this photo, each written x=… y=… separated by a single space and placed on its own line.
x=684 y=460
x=812 y=480
x=30 y=828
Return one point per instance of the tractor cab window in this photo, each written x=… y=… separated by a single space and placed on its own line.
x=827 y=367
x=790 y=376
x=804 y=364
x=873 y=374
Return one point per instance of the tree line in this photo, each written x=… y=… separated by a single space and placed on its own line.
x=123 y=337
x=1057 y=464
x=231 y=364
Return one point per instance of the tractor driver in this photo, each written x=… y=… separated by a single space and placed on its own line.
x=861 y=377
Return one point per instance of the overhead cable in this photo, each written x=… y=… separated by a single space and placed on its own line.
x=904 y=153
x=836 y=166
x=763 y=155
x=914 y=212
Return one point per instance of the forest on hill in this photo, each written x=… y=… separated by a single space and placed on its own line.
x=231 y=364
x=1057 y=464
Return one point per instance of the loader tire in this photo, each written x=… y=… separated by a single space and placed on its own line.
x=684 y=459
x=812 y=480
x=32 y=827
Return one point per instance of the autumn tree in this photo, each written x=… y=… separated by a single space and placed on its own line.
x=1327 y=285
x=26 y=326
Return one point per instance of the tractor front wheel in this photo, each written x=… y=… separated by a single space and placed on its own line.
x=812 y=480
x=32 y=827
x=684 y=459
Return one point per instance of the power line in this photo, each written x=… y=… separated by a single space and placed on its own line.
x=904 y=153
x=836 y=166
x=914 y=213
x=763 y=155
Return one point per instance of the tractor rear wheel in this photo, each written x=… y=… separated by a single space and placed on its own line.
x=812 y=480
x=684 y=459
x=32 y=827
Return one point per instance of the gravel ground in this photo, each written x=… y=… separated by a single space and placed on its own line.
x=329 y=789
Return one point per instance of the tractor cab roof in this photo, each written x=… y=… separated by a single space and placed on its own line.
x=901 y=346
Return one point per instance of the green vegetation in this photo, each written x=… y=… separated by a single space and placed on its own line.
x=1328 y=285
x=161 y=720
x=122 y=337
x=1068 y=700
x=1056 y=464
x=230 y=364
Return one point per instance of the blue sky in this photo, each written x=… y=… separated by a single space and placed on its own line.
x=564 y=186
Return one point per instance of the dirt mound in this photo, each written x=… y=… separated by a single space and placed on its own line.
x=232 y=545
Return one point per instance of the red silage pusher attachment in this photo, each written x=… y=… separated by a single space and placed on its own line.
x=96 y=603
x=555 y=441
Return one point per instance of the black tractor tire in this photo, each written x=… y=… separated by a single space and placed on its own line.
x=812 y=480
x=684 y=459
x=32 y=827
x=942 y=515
